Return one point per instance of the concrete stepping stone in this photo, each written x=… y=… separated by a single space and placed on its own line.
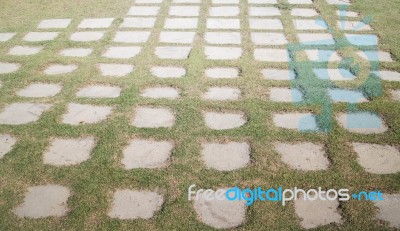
x=389 y=209
x=144 y=10
x=38 y=90
x=58 y=69
x=347 y=14
x=303 y=12
x=223 y=38
x=315 y=213
x=181 y=23
x=362 y=39
x=184 y=11
x=224 y=121
x=147 y=117
x=87 y=36
x=224 y=11
x=348 y=96
x=24 y=50
x=95 y=23
x=303 y=2
x=129 y=204
x=160 y=92
x=258 y=11
x=22 y=113
x=259 y=38
x=265 y=24
x=7 y=68
x=353 y=25
x=309 y=24
x=226 y=156
x=362 y=122
x=334 y=74
x=68 y=152
x=186 y=1
x=323 y=56
x=303 y=156
x=378 y=159
x=76 y=52
x=54 y=23
x=132 y=36
x=115 y=70
x=271 y=55
x=396 y=95
x=40 y=36
x=278 y=74
x=225 y=2
x=148 y=1
x=219 y=214
x=312 y=39
x=122 y=52
x=222 y=93
x=223 y=24
x=7 y=143
x=262 y=1
x=339 y=2
x=173 y=52
x=222 y=73
x=137 y=22
x=375 y=56
x=78 y=114
x=177 y=37
x=168 y=72
x=285 y=95
x=4 y=37
x=296 y=121
x=99 y=91
x=223 y=53
x=44 y=201
x=146 y=154
x=385 y=75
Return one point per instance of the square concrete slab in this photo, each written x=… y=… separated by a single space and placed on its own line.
x=378 y=159
x=348 y=96
x=146 y=154
x=4 y=37
x=223 y=24
x=303 y=156
x=222 y=73
x=224 y=11
x=95 y=23
x=303 y=2
x=375 y=56
x=309 y=24
x=353 y=25
x=271 y=55
x=7 y=143
x=160 y=92
x=78 y=114
x=224 y=121
x=389 y=209
x=265 y=24
x=315 y=39
x=148 y=1
x=67 y=152
x=226 y=156
x=297 y=121
x=186 y=1
x=144 y=10
x=362 y=122
x=173 y=52
x=132 y=36
x=223 y=38
x=38 y=90
x=396 y=94
x=114 y=70
x=222 y=93
x=278 y=74
x=262 y=1
x=258 y=11
x=59 y=69
x=54 y=23
x=339 y=2
x=24 y=50
x=285 y=95
x=168 y=72
x=44 y=201
x=385 y=75
x=7 y=68
x=147 y=117
x=362 y=39
x=177 y=37
x=225 y=2
x=98 y=91
x=76 y=52
x=323 y=56
x=219 y=214
x=184 y=11
x=40 y=36
x=347 y=14
x=223 y=53
x=138 y=23
x=181 y=23
x=87 y=36
x=22 y=113
x=260 y=38
x=122 y=52
x=334 y=74
x=128 y=204
x=304 y=12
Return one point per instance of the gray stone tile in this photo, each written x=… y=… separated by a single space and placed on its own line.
x=138 y=22
x=22 y=113
x=115 y=70
x=24 y=50
x=223 y=38
x=168 y=72
x=334 y=74
x=7 y=68
x=396 y=94
x=385 y=75
x=223 y=24
x=259 y=11
x=285 y=95
x=160 y=92
x=278 y=74
x=173 y=52
x=226 y=156
x=348 y=96
x=339 y=2
x=375 y=56
x=353 y=25
x=389 y=209
x=59 y=69
x=296 y=121
x=78 y=114
x=40 y=36
x=123 y=52
x=316 y=39
x=265 y=24
x=271 y=55
x=362 y=122
x=87 y=36
x=261 y=38
x=224 y=11
x=4 y=37
x=38 y=90
x=310 y=24
x=304 y=12
x=303 y=2
x=54 y=23
x=144 y=10
x=96 y=23
x=223 y=53
x=323 y=56
x=362 y=39
x=76 y=52
x=222 y=73
x=99 y=91
x=184 y=11
x=224 y=121
x=262 y=1
x=181 y=23
x=222 y=93
x=132 y=36
x=177 y=37
x=7 y=143
x=147 y=117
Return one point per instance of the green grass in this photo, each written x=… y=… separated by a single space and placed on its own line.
x=94 y=181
